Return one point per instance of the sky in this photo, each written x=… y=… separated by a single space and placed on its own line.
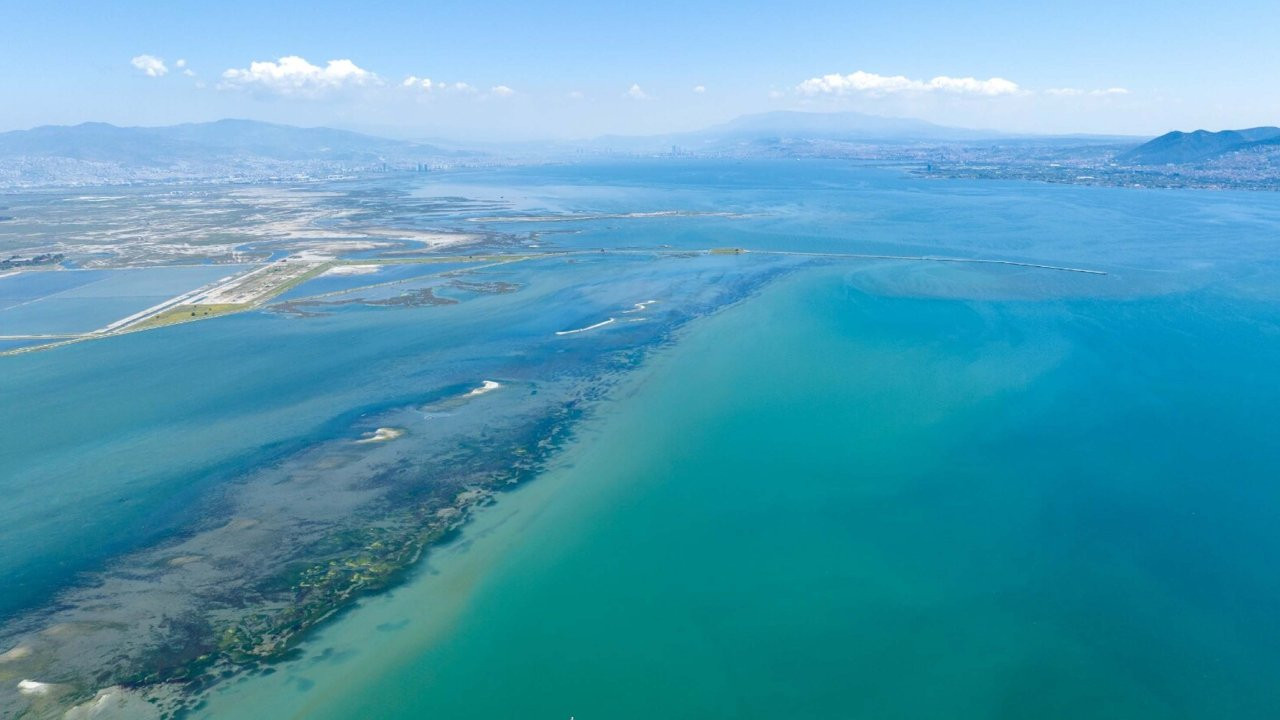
x=528 y=70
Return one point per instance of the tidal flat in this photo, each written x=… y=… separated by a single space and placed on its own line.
x=834 y=432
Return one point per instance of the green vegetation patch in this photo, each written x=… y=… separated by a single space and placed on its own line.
x=188 y=313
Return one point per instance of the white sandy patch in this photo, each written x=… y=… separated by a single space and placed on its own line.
x=352 y=270
x=640 y=306
x=31 y=687
x=381 y=435
x=610 y=321
x=486 y=386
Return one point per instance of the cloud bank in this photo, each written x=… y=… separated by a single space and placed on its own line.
x=873 y=85
x=294 y=76
x=151 y=65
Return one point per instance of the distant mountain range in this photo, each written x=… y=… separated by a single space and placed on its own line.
x=98 y=153
x=785 y=127
x=1194 y=147
x=808 y=125
x=148 y=146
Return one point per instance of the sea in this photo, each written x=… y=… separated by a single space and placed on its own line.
x=902 y=448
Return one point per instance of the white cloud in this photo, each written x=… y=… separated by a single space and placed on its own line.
x=501 y=91
x=973 y=86
x=293 y=75
x=435 y=87
x=635 y=93
x=1111 y=91
x=189 y=72
x=180 y=63
x=874 y=85
x=1064 y=92
x=575 y=95
x=699 y=89
x=150 y=64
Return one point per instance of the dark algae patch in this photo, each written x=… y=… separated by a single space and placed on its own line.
x=420 y=297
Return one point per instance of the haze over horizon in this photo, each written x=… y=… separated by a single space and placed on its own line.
x=568 y=70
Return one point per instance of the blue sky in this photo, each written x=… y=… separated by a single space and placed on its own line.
x=524 y=70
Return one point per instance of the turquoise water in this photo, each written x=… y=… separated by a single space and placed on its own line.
x=825 y=503
x=843 y=488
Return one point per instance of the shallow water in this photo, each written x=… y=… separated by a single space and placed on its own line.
x=825 y=503
x=887 y=488
x=76 y=301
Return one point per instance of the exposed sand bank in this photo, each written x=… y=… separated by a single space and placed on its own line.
x=610 y=321
x=382 y=434
x=486 y=386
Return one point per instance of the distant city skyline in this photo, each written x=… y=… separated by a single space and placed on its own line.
x=565 y=70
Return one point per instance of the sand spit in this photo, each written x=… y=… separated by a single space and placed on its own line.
x=382 y=434
x=640 y=307
x=31 y=687
x=610 y=321
x=486 y=386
